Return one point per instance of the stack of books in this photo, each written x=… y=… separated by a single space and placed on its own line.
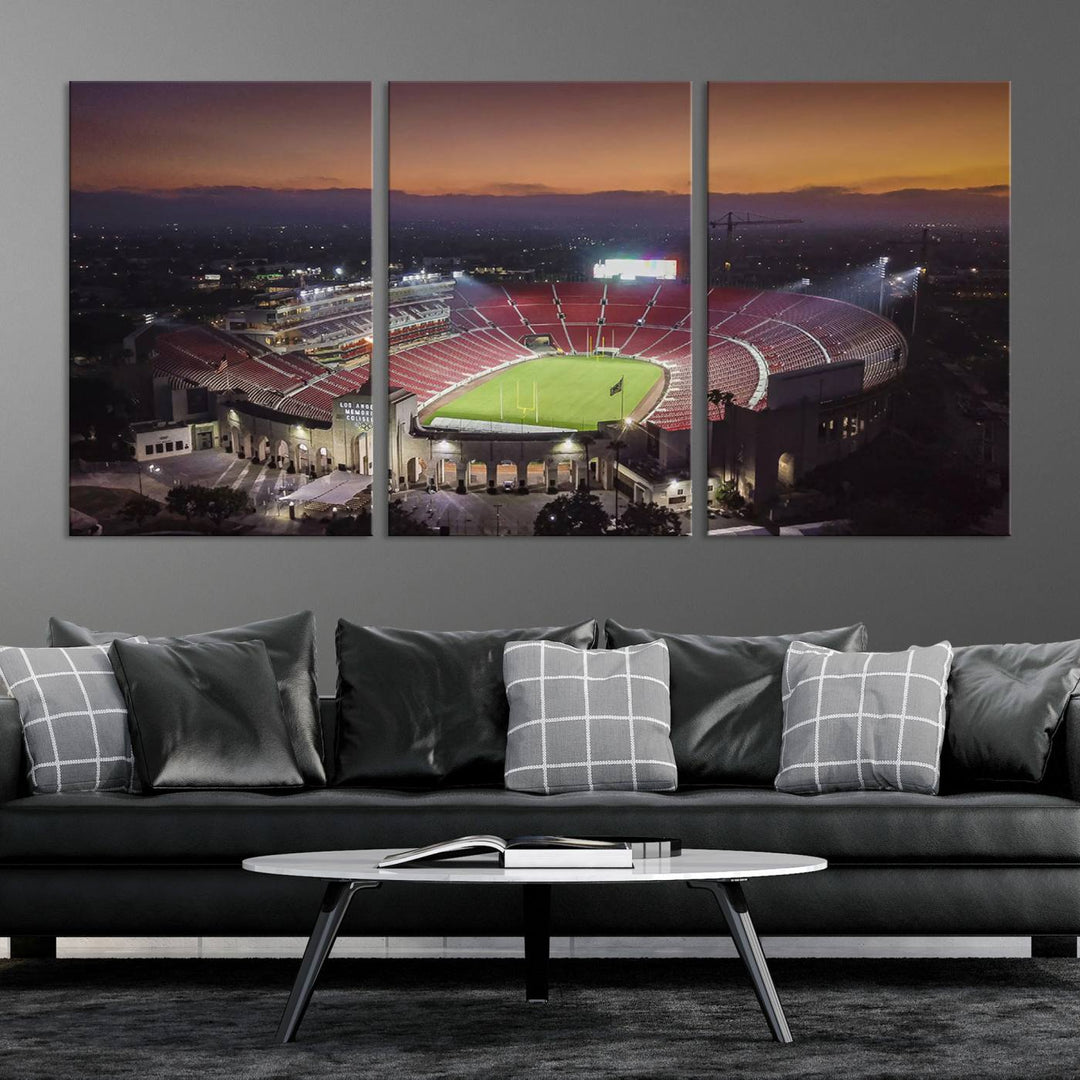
x=544 y=852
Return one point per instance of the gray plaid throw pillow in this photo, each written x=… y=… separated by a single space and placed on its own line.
x=74 y=719
x=588 y=719
x=863 y=721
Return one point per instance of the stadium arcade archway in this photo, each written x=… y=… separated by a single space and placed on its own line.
x=785 y=470
x=414 y=470
x=476 y=474
x=360 y=460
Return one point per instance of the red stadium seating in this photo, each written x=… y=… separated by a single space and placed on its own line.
x=617 y=293
x=586 y=314
x=751 y=334
x=578 y=290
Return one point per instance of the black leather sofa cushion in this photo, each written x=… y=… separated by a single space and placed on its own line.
x=205 y=715
x=290 y=644
x=426 y=709
x=871 y=827
x=1004 y=708
x=726 y=712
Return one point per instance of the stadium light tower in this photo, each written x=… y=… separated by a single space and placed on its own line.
x=882 y=262
x=919 y=271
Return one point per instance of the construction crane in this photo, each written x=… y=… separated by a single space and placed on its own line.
x=924 y=246
x=734 y=219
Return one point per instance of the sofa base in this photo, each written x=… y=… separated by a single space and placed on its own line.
x=37 y=947
x=1053 y=946
x=163 y=901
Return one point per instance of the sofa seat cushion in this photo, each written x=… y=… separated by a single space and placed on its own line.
x=226 y=826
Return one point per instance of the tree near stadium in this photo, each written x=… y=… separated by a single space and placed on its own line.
x=649 y=519
x=579 y=514
x=216 y=504
x=139 y=508
x=403 y=522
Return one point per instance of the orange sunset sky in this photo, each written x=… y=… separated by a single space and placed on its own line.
x=158 y=136
x=869 y=137
x=534 y=138
x=520 y=138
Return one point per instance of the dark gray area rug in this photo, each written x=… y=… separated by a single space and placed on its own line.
x=400 y=1019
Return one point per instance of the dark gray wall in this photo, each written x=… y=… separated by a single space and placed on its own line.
x=906 y=590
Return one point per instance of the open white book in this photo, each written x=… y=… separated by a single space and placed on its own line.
x=524 y=852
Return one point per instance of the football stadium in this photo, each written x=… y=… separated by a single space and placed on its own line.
x=469 y=364
x=537 y=386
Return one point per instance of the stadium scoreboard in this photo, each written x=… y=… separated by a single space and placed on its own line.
x=635 y=269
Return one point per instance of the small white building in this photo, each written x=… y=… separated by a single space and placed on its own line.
x=154 y=441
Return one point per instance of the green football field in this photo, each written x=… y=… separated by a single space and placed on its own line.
x=558 y=391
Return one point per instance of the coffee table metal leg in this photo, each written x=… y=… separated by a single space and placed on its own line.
x=537 y=905
x=334 y=905
x=732 y=903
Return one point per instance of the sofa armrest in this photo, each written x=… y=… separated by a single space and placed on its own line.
x=1072 y=745
x=11 y=750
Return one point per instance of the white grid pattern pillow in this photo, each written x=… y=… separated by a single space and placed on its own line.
x=74 y=719
x=588 y=719
x=863 y=721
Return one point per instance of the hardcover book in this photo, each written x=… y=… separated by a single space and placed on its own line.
x=522 y=852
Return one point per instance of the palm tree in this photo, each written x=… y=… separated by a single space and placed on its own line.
x=617 y=444
x=586 y=441
x=722 y=399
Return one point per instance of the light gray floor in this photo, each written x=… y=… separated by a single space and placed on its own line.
x=209 y=947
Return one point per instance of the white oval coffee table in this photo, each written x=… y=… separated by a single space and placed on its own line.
x=721 y=872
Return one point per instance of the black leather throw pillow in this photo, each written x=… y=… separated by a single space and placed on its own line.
x=290 y=646
x=1005 y=704
x=726 y=709
x=205 y=715
x=425 y=709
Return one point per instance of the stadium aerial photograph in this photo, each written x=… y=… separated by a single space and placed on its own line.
x=220 y=309
x=858 y=342
x=540 y=346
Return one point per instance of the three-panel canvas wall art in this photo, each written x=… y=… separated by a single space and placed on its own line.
x=537 y=330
